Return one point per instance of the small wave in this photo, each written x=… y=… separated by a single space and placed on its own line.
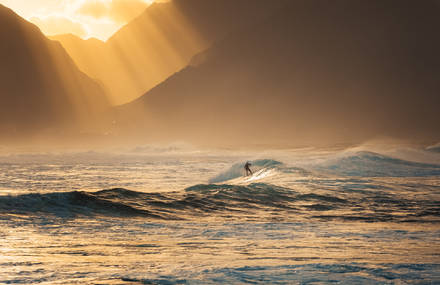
x=68 y=204
x=238 y=197
x=237 y=170
x=371 y=164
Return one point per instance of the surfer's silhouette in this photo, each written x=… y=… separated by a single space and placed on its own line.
x=247 y=168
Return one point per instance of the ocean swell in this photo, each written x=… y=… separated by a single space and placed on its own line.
x=233 y=201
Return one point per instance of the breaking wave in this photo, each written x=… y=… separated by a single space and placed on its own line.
x=371 y=164
x=237 y=170
x=434 y=148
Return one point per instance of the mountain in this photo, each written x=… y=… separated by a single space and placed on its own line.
x=83 y=52
x=161 y=41
x=41 y=89
x=317 y=70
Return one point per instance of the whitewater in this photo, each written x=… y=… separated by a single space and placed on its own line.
x=185 y=215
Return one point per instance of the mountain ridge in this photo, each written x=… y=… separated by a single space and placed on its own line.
x=316 y=70
x=162 y=40
x=41 y=88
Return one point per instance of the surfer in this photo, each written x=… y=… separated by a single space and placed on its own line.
x=247 y=168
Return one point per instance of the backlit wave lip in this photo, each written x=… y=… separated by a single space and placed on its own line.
x=371 y=164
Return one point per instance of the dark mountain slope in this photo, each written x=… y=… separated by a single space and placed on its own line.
x=40 y=86
x=317 y=70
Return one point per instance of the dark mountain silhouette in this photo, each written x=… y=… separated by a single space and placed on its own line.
x=315 y=70
x=40 y=86
x=161 y=41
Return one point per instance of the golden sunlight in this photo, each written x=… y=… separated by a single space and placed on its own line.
x=219 y=142
x=83 y=18
x=140 y=55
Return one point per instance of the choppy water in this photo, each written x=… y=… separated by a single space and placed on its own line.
x=185 y=216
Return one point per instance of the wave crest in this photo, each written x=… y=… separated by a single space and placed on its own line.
x=371 y=164
x=237 y=170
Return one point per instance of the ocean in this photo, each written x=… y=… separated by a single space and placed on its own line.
x=185 y=215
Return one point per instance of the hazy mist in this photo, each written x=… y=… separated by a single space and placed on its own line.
x=231 y=72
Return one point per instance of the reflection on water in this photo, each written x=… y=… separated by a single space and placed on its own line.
x=293 y=222
x=112 y=249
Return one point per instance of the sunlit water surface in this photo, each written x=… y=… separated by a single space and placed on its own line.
x=179 y=215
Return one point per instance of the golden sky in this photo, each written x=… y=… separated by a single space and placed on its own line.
x=84 y=18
